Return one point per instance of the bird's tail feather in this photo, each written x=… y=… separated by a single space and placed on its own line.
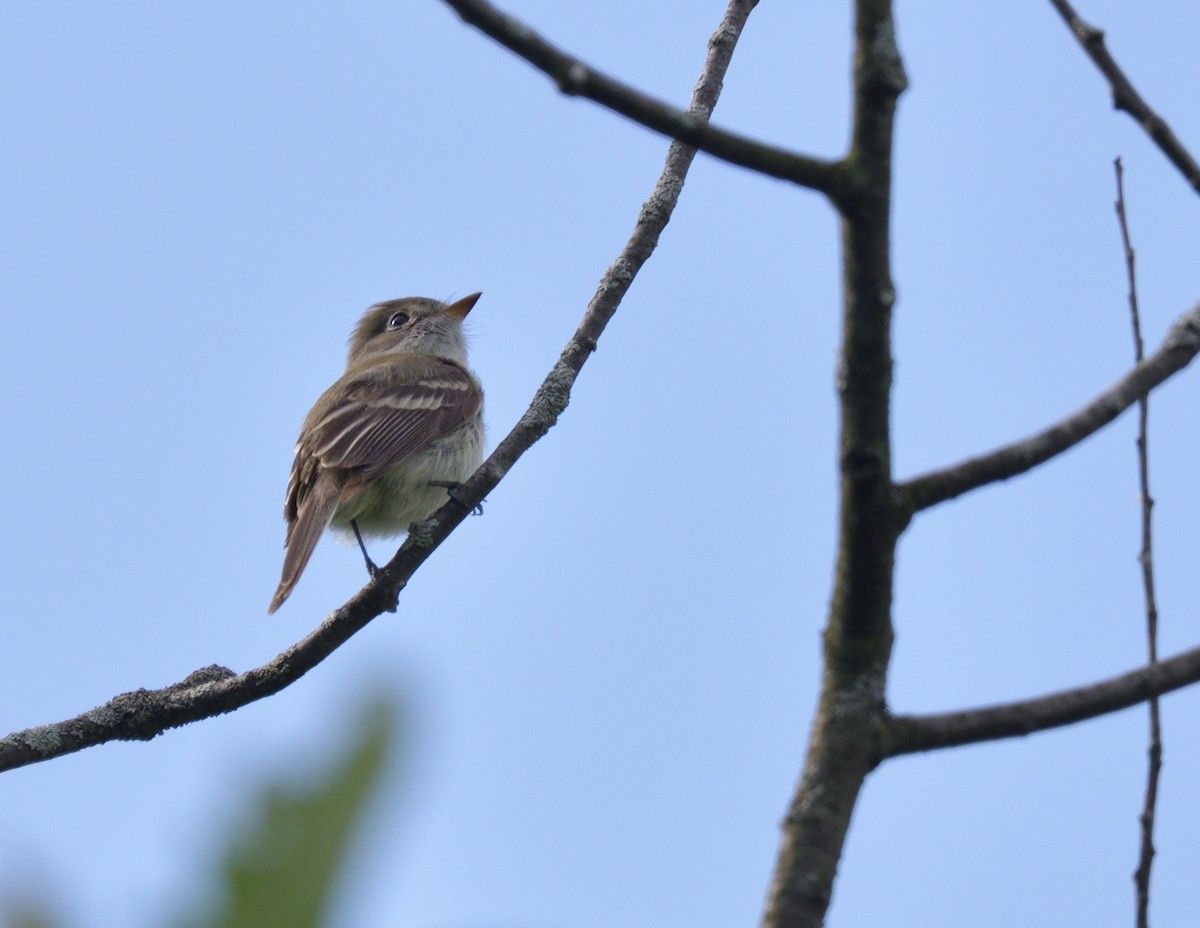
x=303 y=535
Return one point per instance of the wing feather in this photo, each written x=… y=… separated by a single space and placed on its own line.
x=376 y=416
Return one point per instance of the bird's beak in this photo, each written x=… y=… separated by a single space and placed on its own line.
x=460 y=309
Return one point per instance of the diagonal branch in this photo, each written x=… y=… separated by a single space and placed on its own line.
x=574 y=78
x=908 y=734
x=143 y=714
x=1126 y=97
x=1178 y=349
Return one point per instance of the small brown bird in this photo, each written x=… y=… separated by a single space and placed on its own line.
x=381 y=446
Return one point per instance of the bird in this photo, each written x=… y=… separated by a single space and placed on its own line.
x=383 y=446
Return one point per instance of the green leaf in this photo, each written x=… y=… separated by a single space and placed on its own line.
x=282 y=869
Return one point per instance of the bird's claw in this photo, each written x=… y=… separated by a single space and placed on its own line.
x=451 y=487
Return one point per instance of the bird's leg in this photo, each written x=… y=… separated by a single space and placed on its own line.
x=450 y=486
x=371 y=568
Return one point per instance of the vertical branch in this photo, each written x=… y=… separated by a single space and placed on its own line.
x=1141 y=876
x=844 y=745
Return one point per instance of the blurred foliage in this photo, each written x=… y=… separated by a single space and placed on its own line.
x=281 y=866
x=282 y=869
x=27 y=913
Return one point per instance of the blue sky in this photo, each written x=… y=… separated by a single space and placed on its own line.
x=607 y=724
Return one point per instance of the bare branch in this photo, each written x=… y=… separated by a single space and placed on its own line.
x=1125 y=97
x=909 y=734
x=843 y=747
x=143 y=714
x=1141 y=875
x=574 y=78
x=1178 y=349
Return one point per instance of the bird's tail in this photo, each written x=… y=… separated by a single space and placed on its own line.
x=303 y=535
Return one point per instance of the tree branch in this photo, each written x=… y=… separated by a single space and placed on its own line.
x=843 y=747
x=143 y=714
x=574 y=78
x=1141 y=876
x=1178 y=349
x=908 y=734
x=1125 y=97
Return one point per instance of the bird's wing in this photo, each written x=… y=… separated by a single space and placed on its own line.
x=378 y=417
x=378 y=423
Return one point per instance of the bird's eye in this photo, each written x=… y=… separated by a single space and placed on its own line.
x=397 y=320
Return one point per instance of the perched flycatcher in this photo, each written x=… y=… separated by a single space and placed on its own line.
x=381 y=446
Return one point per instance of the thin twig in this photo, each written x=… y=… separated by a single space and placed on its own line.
x=909 y=734
x=1141 y=876
x=575 y=78
x=1177 y=350
x=1126 y=98
x=143 y=714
